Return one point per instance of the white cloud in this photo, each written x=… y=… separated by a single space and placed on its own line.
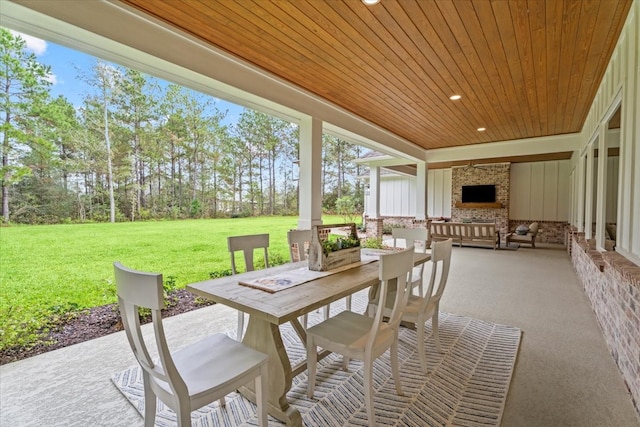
x=52 y=78
x=34 y=44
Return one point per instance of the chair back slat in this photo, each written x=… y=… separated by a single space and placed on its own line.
x=139 y=288
x=440 y=263
x=247 y=244
x=394 y=268
x=298 y=241
x=410 y=236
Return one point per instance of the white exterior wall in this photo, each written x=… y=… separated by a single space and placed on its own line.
x=622 y=79
x=398 y=194
x=540 y=190
x=439 y=193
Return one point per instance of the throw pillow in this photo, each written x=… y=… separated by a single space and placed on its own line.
x=522 y=229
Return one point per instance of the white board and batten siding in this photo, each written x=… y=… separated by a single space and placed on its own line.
x=398 y=194
x=540 y=190
x=439 y=193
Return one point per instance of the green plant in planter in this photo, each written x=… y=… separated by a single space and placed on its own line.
x=329 y=245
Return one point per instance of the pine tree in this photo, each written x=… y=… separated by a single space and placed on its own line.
x=24 y=89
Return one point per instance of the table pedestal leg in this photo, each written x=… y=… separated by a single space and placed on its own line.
x=265 y=337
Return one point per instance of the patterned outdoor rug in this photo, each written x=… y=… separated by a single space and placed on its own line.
x=466 y=385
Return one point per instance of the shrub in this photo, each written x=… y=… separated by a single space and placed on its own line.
x=220 y=273
x=372 y=243
x=346 y=208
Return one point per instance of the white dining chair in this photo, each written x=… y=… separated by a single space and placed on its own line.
x=247 y=244
x=357 y=336
x=420 y=308
x=417 y=237
x=190 y=378
x=299 y=241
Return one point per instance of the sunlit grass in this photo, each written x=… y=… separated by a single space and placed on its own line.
x=47 y=270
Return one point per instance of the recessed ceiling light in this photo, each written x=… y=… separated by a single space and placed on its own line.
x=455 y=97
x=370 y=2
x=481 y=129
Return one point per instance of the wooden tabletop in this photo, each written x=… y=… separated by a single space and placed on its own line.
x=288 y=304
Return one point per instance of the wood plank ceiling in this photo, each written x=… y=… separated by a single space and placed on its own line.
x=523 y=68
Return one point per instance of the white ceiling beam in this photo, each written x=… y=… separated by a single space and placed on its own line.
x=518 y=147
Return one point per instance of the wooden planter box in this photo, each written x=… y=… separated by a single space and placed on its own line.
x=318 y=260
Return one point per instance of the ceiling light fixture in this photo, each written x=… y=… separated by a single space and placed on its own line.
x=455 y=97
x=370 y=2
x=481 y=129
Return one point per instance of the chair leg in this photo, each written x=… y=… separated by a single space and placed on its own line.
x=240 y=326
x=371 y=310
x=421 y=349
x=395 y=371
x=348 y=303
x=434 y=329
x=262 y=383
x=368 y=389
x=222 y=402
x=345 y=363
x=325 y=310
x=305 y=321
x=312 y=360
x=149 y=403
x=184 y=416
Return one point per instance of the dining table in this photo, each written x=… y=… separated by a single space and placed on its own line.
x=268 y=310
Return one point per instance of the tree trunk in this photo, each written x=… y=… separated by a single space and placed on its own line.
x=5 y=164
x=112 y=203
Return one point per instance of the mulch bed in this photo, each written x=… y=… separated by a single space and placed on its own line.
x=94 y=323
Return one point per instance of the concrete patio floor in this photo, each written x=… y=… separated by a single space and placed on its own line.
x=564 y=374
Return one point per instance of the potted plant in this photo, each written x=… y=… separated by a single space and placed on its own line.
x=328 y=251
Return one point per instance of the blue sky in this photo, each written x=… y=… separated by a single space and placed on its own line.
x=68 y=65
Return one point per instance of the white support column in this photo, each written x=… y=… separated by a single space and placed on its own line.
x=572 y=198
x=601 y=201
x=310 y=197
x=421 y=190
x=374 y=192
x=588 y=194
x=582 y=162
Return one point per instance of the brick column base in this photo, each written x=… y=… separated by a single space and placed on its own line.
x=374 y=227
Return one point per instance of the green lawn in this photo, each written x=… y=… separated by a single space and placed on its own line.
x=50 y=270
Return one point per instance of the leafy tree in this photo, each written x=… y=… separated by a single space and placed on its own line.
x=44 y=196
x=173 y=133
x=135 y=115
x=346 y=207
x=92 y=163
x=252 y=135
x=61 y=127
x=105 y=79
x=24 y=90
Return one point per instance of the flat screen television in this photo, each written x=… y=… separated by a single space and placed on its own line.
x=478 y=193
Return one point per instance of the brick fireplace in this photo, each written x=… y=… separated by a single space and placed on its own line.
x=498 y=175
